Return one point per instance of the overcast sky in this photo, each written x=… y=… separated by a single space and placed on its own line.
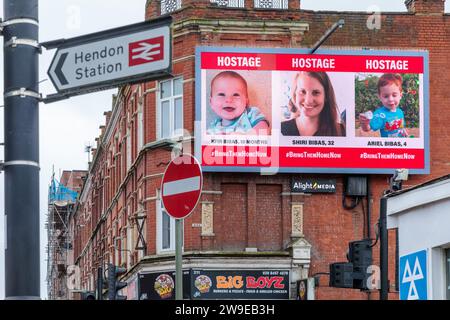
x=67 y=126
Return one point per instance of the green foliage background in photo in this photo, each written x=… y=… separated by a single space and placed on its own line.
x=366 y=96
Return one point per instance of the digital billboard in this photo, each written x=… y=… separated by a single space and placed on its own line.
x=334 y=111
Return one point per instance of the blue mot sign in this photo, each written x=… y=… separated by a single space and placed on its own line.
x=413 y=276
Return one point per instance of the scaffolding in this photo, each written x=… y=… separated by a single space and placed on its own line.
x=61 y=201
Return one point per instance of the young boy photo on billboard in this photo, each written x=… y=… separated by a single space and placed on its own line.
x=388 y=118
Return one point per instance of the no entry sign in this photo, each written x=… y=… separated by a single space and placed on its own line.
x=181 y=186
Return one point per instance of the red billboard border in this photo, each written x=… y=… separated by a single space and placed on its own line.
x=395 y=55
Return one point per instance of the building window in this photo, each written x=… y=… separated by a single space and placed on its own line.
x=168 y=6
x=140 y=127
x=447 y=269
x=165 y=230
x=130 y=242
x=271 y=4
x=129 y=157
x=122 y=248
x=230 y=3
x=170 y=107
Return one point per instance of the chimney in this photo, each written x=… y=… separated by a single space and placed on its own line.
x=425 y=6
x=294 y=4
x=93 y=152
x=107 y=115
x=102 y=130
x=152 y=9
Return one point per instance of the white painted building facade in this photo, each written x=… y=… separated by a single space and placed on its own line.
x=422 y=217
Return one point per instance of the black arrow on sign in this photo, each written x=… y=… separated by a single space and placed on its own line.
x=58 y=70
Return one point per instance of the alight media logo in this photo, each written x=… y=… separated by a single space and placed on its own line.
x=302 y=186
x=314 y=186
x=324 y=186
x=146 y=51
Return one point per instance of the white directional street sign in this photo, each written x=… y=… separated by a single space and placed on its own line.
x=109 y=58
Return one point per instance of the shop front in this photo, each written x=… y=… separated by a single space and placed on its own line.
x=200 y=284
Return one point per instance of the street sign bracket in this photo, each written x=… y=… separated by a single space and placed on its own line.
x=3 y=24
x=14 y=41
x=23 y=92
x=54 y=98
x=53 y=44
x=20 y=163
x=66 y=94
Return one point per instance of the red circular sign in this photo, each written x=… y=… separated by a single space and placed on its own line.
x=181 y=186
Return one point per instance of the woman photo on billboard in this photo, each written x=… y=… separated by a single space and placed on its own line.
x=313 y=107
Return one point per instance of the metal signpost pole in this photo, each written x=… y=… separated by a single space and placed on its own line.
x=383 y=250
x=179 y=259
x=181 y=188
x=21 y=98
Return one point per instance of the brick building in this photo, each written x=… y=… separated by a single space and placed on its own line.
x=246 y=224
x=61 y=201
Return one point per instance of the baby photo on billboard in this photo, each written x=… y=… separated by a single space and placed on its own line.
x=238 y=102
x=315 y=103
x=387 y=105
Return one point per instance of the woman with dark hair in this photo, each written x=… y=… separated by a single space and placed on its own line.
x=314 y=104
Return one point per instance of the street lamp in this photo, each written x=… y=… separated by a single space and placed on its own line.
x=328 y=33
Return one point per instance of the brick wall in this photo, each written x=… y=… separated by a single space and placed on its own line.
x=252 y=210
x=266 y=223
x=231 y=222
x=328 y=226
x=425 y=6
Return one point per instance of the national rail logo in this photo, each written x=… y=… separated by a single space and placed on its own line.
x=145 y=51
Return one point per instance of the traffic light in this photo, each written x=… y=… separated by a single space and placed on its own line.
x=353 y=274
x=341 y=275
x=114 y=284
x=360 y=255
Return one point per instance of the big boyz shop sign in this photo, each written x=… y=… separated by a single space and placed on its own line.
x=248 y=284
x=270 y=74
x=216 y=284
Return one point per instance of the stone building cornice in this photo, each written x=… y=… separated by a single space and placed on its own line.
x=261 y=27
